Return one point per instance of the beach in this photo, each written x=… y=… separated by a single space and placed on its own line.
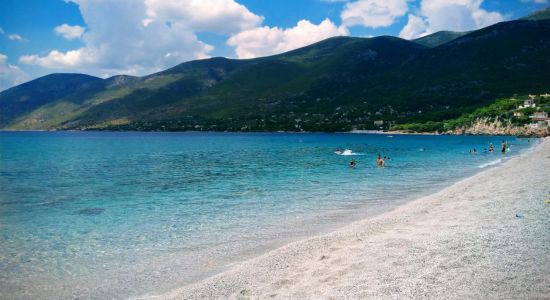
x=484 y=237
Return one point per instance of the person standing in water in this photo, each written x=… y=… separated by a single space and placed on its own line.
x=379 y=161
x=491 y=147
x=352 y=164
x=503 y=150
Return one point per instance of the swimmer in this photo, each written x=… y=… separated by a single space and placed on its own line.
x=379 y=161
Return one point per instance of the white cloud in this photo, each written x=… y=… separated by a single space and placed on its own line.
x=266 y=40
x=15 y=37
x=56 y=59
x=12 y=36
x=69 y=32
x=220 y=16
x=140 y=37
x=10 y=75
x=373 y=13
x=456 y=15
x=416 y=27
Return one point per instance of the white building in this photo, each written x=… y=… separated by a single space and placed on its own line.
x=539 y=116
x=528 y=103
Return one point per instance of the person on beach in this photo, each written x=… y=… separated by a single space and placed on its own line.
x=352 y=164
x=503 y=150
x=379 y=161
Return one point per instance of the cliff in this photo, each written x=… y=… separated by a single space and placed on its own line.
x=488 y=126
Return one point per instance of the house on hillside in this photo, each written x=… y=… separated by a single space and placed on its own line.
x=378 y=122
x=539 y=119
x=528 y=103
x=546 y=95
x=539 y=116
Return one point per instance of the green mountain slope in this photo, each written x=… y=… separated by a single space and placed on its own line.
x=543 y=14
x=124 y=96
x=310 y=80
x=439 y=38
x=337 y=84
x=28 y=96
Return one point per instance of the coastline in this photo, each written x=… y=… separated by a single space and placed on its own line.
x=486 y=242
x=381 y=132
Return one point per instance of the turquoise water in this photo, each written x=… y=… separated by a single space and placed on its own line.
x=116 y=215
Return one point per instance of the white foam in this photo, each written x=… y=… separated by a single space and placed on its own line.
x=347 y=152
x=350 y=154
x=491 y=163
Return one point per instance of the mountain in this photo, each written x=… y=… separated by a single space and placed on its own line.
x=336 y=84
x=543 y=14
x=28 y=96
x=439 y=38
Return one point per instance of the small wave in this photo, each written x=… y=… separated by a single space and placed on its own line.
x=347 y=152
x=351 y=154
x=49 y=203
x=491 y=163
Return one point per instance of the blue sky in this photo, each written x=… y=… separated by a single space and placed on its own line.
x=138 y=37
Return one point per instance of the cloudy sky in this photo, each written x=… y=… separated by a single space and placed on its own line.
x=138 y=37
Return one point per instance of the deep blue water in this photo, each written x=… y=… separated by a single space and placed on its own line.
x=100 y=214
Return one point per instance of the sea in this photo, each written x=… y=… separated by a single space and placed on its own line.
x=118 y=215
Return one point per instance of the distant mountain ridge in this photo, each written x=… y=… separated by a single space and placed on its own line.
x=28 y=96
x=338 y=84
x=543 y=14
x=439 y=38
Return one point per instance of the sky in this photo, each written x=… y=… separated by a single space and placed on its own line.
x=138 y=37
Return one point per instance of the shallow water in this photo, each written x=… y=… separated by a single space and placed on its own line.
x=116 y=215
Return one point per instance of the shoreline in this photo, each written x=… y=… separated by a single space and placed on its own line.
x=374 y=132
x=358 y=259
